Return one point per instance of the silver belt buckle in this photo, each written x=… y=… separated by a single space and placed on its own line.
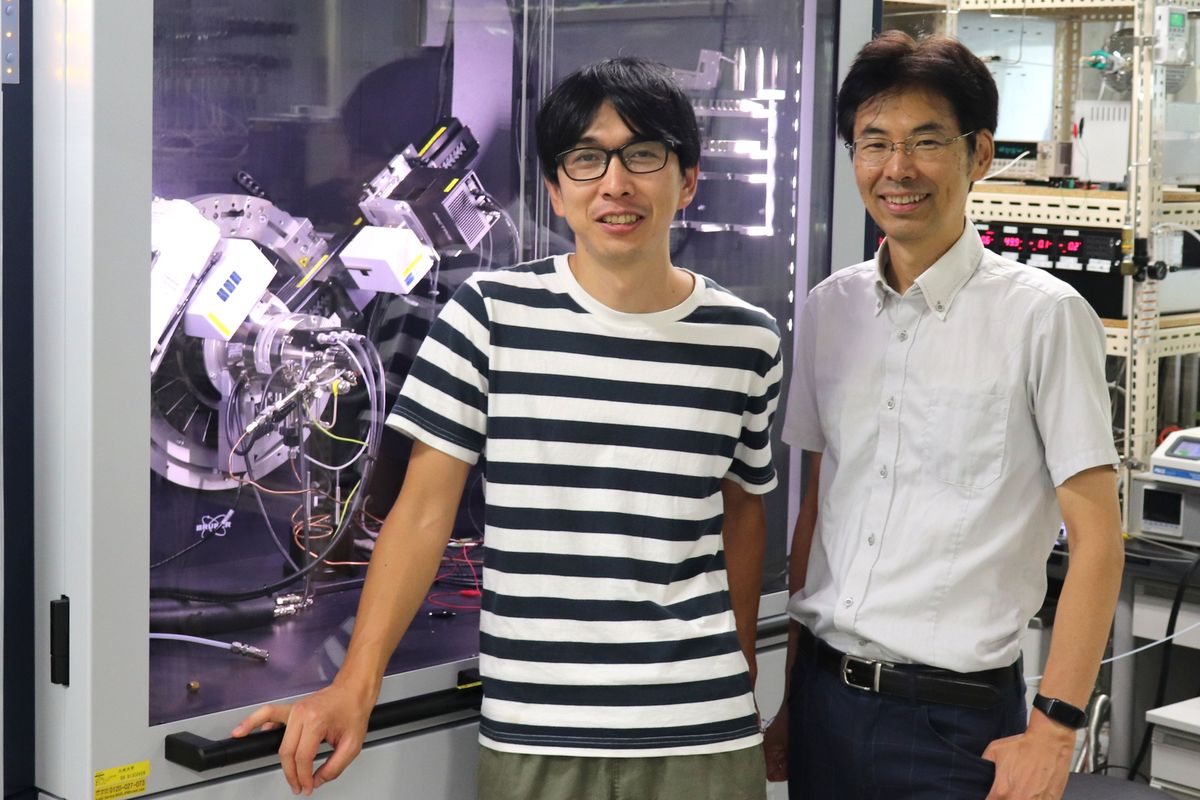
x=848 y=659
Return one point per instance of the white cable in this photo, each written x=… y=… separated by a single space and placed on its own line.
x=1134 y=652
x=1175 y=226
x=340 y=467
x=373 y=381
x=1143 y=541
x=1164 y=559
x=1147 y=540
x=514 y=232
x=1145 y=647
x=183 y=637
x=370 y=354
x=1006 y=167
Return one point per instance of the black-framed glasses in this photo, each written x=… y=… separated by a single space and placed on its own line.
x=875 y=150
x=590 y=163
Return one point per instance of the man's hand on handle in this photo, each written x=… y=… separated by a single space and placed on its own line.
x=334 y=714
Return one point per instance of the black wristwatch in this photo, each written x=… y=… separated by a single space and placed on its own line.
x=1062 y=713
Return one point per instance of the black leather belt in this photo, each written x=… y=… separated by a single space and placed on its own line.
x=980 y=690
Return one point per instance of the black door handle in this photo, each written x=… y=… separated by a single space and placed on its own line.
x=199 y=754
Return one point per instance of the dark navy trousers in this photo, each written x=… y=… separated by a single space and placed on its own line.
x=847 y=744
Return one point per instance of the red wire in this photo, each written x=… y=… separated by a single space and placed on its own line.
x=433 y=600
x=466 y=557
x=464 y=553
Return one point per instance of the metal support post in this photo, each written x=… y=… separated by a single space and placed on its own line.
x=1120 y=735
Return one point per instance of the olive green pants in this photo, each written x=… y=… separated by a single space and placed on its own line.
x=737 y=775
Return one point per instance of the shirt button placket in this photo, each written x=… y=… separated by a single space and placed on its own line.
x=875 y=517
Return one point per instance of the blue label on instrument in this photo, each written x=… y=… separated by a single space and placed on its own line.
x=1177 y=473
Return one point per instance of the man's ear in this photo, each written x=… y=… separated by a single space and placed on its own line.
x=981 y=159
x=688 y=190
x=555 y=192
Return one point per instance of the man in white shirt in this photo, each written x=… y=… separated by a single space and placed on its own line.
x=954 y=409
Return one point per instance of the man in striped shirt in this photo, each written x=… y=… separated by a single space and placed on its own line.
x=622 y=407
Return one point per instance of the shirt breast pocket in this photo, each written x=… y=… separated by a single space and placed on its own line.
x=965 y=437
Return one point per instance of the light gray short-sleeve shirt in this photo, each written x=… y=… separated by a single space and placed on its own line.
x=945 y=418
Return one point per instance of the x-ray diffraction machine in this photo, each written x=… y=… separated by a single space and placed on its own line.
x=247 y=215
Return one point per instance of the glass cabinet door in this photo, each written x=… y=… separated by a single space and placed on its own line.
x=740 y=63
x=318 y=195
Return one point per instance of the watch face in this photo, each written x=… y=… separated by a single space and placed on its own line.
x=1059 y=711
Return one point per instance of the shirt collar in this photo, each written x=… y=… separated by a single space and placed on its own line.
x=939 y=284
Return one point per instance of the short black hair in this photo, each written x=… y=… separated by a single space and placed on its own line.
x=895 y=61
x=644 y=93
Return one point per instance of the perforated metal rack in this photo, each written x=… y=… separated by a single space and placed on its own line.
x=1143 y=338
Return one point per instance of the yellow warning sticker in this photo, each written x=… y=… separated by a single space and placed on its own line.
x=313 y=271
x=429 y=144
x=118 y=782
x=219 y=325
x=412 y=264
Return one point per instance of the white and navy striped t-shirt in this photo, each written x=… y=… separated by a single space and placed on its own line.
x=606 y=627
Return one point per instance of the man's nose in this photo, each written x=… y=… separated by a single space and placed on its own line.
x=616 y=180
x=899 y=163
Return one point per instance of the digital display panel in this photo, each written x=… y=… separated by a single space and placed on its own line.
x=1011 y=242
x=1013 y=149
x=1187 y=448
x=1161 y=507
x=1070 y=246
x=1041 y=244
x=988 y=237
